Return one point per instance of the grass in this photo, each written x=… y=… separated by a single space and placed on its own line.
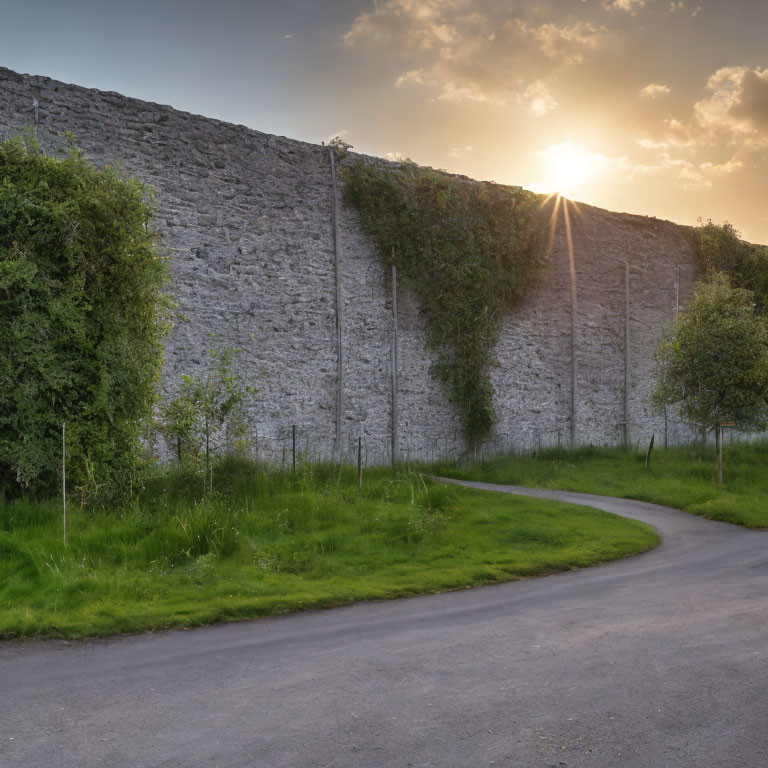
x=266 y=542
x=681 y=477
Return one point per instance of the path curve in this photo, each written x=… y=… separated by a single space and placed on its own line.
x=658 y=660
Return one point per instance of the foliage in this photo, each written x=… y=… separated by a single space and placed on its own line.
x=340 y=148
x=468 y=250
x=714 y=363
x=719 y=249
x=205 y=405
x=267 y=542
x=82 y=315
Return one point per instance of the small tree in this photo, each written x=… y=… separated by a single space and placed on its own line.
x=714 y=363
x=205 y=405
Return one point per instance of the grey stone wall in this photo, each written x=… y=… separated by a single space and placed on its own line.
x=246 y=220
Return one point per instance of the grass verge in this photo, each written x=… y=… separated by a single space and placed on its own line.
x=267 y=542
x=680 y=477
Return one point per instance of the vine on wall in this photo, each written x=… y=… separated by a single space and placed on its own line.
x=719 y=249
x=469 y=250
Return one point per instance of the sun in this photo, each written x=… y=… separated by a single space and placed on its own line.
x=564 y=167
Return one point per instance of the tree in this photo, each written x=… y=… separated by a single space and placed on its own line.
x=82 y=316
x=714 y=362
x=205 y=405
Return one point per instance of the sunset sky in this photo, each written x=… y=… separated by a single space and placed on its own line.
x=657 y=107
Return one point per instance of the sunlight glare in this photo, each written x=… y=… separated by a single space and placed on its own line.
x=564 y=167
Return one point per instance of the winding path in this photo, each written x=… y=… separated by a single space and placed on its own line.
x=659 y=660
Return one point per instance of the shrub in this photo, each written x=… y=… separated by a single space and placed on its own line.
x=82 y=315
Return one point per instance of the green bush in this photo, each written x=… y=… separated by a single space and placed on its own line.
x=82 y=315
x=719 y=249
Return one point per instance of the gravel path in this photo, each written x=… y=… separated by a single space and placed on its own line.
x=659 y=660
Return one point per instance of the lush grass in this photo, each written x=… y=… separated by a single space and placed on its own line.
x=267 y=543
x=681 y=477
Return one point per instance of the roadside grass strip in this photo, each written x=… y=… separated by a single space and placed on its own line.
x=681 y=477
x=268 y=542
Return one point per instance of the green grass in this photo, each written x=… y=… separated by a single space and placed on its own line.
x=267 y=543
x=681 y=477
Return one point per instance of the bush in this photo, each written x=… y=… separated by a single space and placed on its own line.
x=82 y=315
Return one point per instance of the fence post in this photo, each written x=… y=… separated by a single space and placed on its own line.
x=359 y=462
x=64 y=476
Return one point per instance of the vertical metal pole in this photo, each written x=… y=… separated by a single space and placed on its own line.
x=359 y=462
x=395 y=442
x=64 y=474
x=293 y=435
x=572 y=270
x=36 y=105
x=626 y=355
x=677 y=292
x=339 y=316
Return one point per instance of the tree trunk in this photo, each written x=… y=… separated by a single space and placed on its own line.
x=719 y=448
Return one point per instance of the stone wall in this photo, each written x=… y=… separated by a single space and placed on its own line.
x=246 y=219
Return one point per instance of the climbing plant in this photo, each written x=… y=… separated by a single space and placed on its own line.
x=82 y=315
x=469 y=251
x=719 y=249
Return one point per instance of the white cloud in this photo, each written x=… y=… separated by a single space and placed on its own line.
x=738 y=102
x=538 y=98
x=459 y=153
x=630 y=6
x=652 y=90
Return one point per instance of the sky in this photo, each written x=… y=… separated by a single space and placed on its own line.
x=657 y=107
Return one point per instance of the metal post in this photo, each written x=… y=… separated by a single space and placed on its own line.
x=677 y=292
x=339 y=315
x=359 y=462
x=293 y=435
x=395 y=446
x=36 y=105
x=572 y=270
x=64 y=475
x=626 y=355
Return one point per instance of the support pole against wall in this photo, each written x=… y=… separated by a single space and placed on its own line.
x=675 y=315
x=339 y=315
x=572 y=269
x=677 y=292
x=626 y=355
x=395 y=445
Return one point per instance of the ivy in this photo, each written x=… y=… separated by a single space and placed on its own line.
x=719 y=249
x=469 y=251
x=82 y=315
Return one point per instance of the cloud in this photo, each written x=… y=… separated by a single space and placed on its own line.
x=652 y=90
x=476 y=51
x=538 y=98
x=337 y=135
x=460 y=153
x=727 y=132
x=738 y=102
x=630 y=6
